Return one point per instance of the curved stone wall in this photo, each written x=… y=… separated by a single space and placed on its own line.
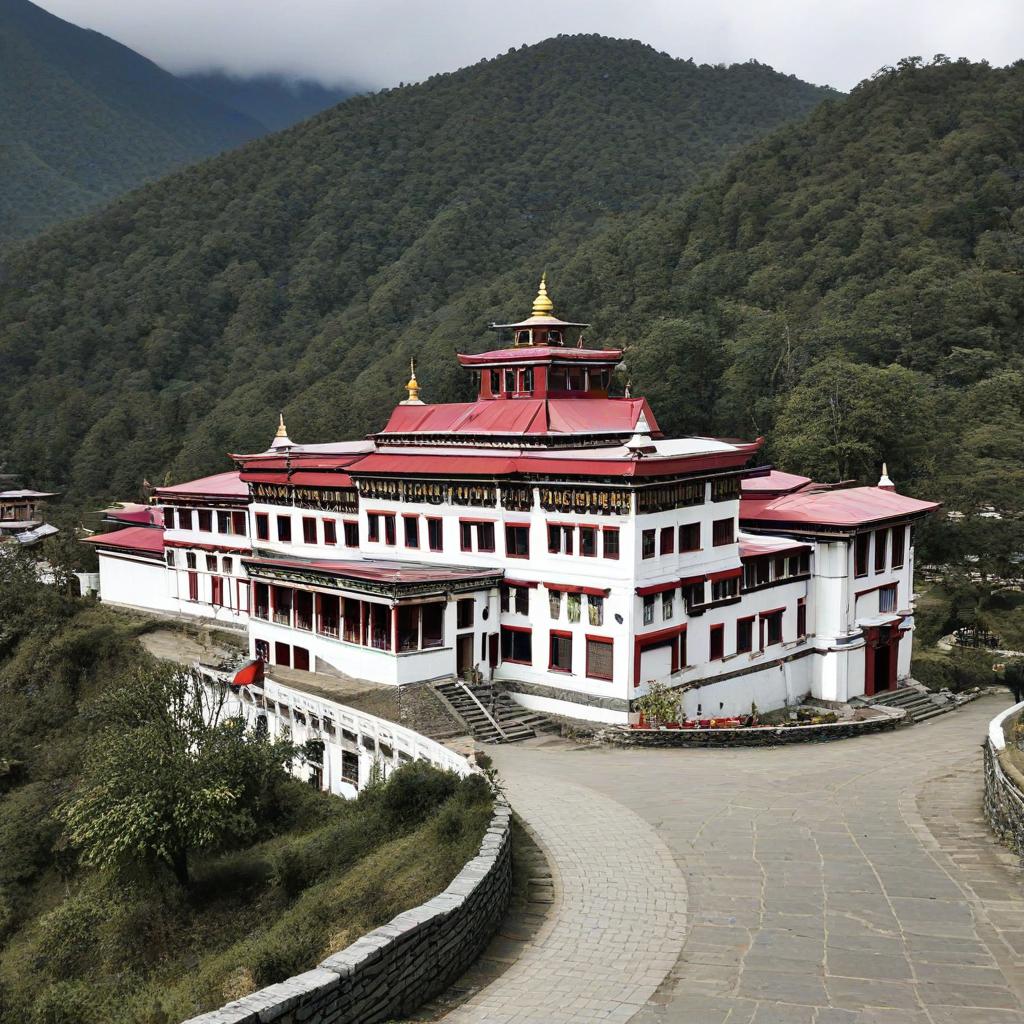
x=1004 y=783
x=395 y=968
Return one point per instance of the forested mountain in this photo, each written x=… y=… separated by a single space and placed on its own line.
x=302 y=272
x=275 y=101
x=83 y=119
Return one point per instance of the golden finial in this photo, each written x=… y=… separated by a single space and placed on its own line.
x=542 y=305
x=413 y=387
x=281 y=431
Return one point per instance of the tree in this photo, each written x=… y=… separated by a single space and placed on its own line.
x=169 y=774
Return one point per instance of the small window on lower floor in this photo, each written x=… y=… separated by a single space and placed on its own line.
x=744 y=635
x=561 y=652
x=887 y=598
x=771 y=625
x=648 y=609
x=716 y=648
x=516 y=645
x=599 y=658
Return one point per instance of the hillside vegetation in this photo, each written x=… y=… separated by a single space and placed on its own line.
x=302 y=272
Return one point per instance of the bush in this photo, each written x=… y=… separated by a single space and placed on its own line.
x=413 y=792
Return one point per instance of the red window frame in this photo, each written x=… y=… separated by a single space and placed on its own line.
x=881 y=545
x=606 y=533
x=719 y=537
x=351 y=533
x=764 y=617
x=749 y=621
x=217 y=591
x=330 y=532
x=193 y=586
x=309 y=530
x=431 y=521
x=509 y=553
x=285 y=521
x=607 y=641
x=716 y=639
x=861 y=550
x=390 y=529
x=373 y=527
x=898 y=544
x=801 y=618
x=686 y=541
x=204 y=520
x=559 y=634
x=667 y=541
x=411 y=530
x=239 y=523
x=518 y=629
x=648 y=546
x=591 y=532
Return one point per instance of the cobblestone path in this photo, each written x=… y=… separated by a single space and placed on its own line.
x=844 y=883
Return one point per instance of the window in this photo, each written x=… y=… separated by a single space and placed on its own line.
x=573 y=604
x=282 y=605
x=466 y=536
x=723 y=531
x=239 y=523
x=561 y=652
x=725 y=488
x=373 y=527
x=515 y=599
x=647 y=544
x=193 y=586
x=771 y=628
x=523 y=600
x=610 y=539
x=881 y=549
x=682 y=649
x=510 y=382
x=330 y=532
x=411 y=528
x=503 y=596
x=495 y=382
x=223 y=522
x=329 y=616
x=723 y=590
x=390 y=536
x=435 y=536
x=262 y=601
x=464 y=612
x=303 y=609
x=211 y=563
x=243 y=595
x=599 y=657
x=205 y=520
x=887 y=598
x=517 y=541
x=432 y=624
x=262 y=526
x=190 y=559
x=169 y=557
x=668 y=604
x=516 y=645
x=184 y=519
x=351 y=533
x=899 y=545
x=168 y=517
x=693 y=595
x=527 y=380
x=801 y=618
x=744 y=635
x=860 y=554
x=555 y=603
x=560 y=539
x=588 y=541
x=648 y=609
x=689 y=537
x=716 y=643
x=595 y=609
x=667 y=541
x=308 y=530
x=284 y=529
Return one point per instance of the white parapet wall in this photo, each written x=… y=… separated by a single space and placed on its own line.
x=996 y=733
x=355 y=744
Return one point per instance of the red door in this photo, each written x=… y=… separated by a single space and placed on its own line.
x=282 y=654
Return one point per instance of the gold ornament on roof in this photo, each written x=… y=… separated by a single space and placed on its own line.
x=413 y=387
x=281 y=430
x=542 y=305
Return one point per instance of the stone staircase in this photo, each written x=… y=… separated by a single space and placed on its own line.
x=489 y=713
x=916 y=700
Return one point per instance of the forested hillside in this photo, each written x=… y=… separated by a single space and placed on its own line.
x=83 y=119
x=302 y=272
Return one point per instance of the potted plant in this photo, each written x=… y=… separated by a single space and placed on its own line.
x=659 y=706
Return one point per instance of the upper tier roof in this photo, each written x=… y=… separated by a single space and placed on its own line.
x=762 y=485
x=845 y=507
x=540 y=354
x=140 y=540
x=134 y=512
x=221 y=485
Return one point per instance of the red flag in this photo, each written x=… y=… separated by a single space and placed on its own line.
x=249 y=673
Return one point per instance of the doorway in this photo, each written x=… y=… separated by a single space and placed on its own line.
x=464 y=660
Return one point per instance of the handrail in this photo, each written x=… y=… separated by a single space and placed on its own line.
x=490 y=718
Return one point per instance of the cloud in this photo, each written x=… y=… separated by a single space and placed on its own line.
x=382 y=42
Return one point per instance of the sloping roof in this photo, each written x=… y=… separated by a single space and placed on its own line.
x=220 y=485
x=751 y=547
x=380 y=570
x=774 y=482
x=540 y=353
x=844 y=507
x=10 y=495
x=140 y=540
x=135 y=513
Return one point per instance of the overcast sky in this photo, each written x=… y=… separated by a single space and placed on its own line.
x=380 y=42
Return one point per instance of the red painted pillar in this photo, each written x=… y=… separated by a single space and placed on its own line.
x=394 y=628
x=362 y=623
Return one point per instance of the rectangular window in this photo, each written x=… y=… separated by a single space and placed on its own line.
x=588 y=541
x=648 y=609
x=771 y=628
x=464 y=612
x=527 y=381
x=211 y=563
x=390 y=533
x=303 y=609
x=682 y=649
x=351 y=533
x=282 y=602
x=881 y=549
x=169 y=558
x=693 y=595
x=435 y=536
x=861 y=544
x=647 y=544
x=716 y=643
x=495 y=382
x=554 y=539
x=168 y=517
x=667 y=540
x=485 y=536
x=595 y=609
x=887 y=598
x=801 y=618
x=599 y=657
x=329 y=617
x=510 y=381
x=668 y=600
x=517 y=541
x=262 y=601
x=190 y=560
x=243 y=595
x=330 y=532
x=723 y=590
x=184 y=519
x=573 y=604
x=725 y=488
x=239 y=523
x=610 y=540
x=223 y=522
x=432 y=624
x=516 y=645
x=555 y=603
x=561 y=652
x=522 y=601
x=205 y=520
x=284 y=529
x=308 y=530
x=193 y=586
x=899 y=546
x=503 y=594
x=744 y=635
x=373 y=527
x=411 y=528
x=723 y=531
x=262 y=526
x=466 y=536
x=689 y=537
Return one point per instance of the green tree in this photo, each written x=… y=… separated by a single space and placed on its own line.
x=169 y=774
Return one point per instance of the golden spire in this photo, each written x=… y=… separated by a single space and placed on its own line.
x=281 y=430
x=542 y=305
x=413 y=387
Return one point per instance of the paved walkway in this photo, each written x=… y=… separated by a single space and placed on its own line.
x=844 y=883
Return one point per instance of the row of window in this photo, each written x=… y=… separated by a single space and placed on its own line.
x=766 y=569
x=769 y=632
x=517 y=647
x=225 y=565
x=314 y=530
x=222 y=594
x=233 y=524
x=663 y=541
x=890 y=550
x=693 y=595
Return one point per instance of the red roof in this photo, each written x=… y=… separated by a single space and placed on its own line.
x=774 y=482
x=524 y=416
x=221 y=485
x=539 y=354
x=381 y=570
x=298 y=478
x=141 y=540
x=751 y=547
x=142 y=515
x=841 y=507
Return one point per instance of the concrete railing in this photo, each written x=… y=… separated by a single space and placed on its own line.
x=1004 y=782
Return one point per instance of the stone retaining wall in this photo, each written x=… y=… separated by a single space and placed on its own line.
x=760 y=736
x=1004 y=785
x=397 y=967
